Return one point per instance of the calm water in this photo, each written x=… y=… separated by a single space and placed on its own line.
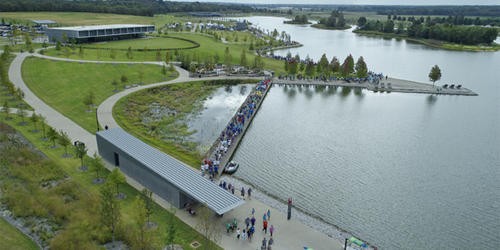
x=402 y=171
x=217 y=111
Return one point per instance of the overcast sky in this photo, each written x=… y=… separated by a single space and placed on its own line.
x=380 y=2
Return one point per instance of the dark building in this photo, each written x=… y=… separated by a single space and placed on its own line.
x=96 y=33
x=164 y=175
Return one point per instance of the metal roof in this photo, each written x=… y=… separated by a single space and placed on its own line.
x=175 y=172
x=44 y=21
x=101 y=27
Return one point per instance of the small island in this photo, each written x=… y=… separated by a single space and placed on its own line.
x=335 y=21
x=299 y=19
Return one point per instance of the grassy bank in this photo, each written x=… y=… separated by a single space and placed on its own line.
x=431 y=43
x=13 y=239
x=65 y=85
x=165 y=43
x=324 y=27
x=168 y=133
x=71 y=203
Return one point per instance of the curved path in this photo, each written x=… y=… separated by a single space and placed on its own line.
x=289 y=234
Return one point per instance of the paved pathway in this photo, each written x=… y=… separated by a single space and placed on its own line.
x=289 y=234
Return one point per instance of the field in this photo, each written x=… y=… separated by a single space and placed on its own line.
x=13 y=239
x=144 y=43
x=65 y=85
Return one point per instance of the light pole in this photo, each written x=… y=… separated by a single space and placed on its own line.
x=96 y=120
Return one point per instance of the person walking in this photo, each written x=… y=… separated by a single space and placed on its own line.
x=268 y=214
x=243 y=192
x=271 y=230
x=264 y=227
x=253 y=211
x=252 y=221
x=264 y=243
x=247 y=222
x=249 y=193
x=264 y=217
x=238 y=233
x=244 y=235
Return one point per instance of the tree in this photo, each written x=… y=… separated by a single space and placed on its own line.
x=129 y=53
x=361 y=21
x=112 y=53
x=115 y=85
x=58 y=45
x=147 y=195
x=110 y=209
x=243 y=58
x=123 y=79
x=334 y=65
x=52 y=135
x=309 y=68
x=158 y=56
x=64 y=140
x=227 y=58
x=348 y=66
x=34 y=119
x=163 y=70
x=6 y=110
x=89 y=100
x=117 y=178
x=171 y=228
x=435 y=74
x=258 y=63
x=80 y=152
x=80 y=51
x=361 y=70
x=97 y=166
x=43 y=121
x=207 y=227
x=323 y=65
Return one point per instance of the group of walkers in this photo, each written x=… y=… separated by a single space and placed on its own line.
x=234 y=128
x=231 y=188
x=247 y=233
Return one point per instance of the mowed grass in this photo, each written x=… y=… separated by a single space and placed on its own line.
x=78 y=18
x=64 y=85
x=13 y=239
x=145 y=43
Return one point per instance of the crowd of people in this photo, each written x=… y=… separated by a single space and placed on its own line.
x=247 y=231
x=233 y=129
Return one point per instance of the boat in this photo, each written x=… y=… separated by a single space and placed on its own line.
x=231 y=167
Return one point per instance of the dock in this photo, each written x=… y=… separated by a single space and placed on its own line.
x=236 y=140
x=384 y=85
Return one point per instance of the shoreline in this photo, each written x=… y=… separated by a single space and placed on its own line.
x=436 y=44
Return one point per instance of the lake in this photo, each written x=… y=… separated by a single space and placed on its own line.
x=401 y=171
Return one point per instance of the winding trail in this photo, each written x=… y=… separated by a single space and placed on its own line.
x=289 y=234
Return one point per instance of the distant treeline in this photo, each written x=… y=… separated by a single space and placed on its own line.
x=427 y=29
x=467 y=10
x=456 y=20
x=130 y=7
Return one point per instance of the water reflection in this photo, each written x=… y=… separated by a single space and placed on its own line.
x=218 y=109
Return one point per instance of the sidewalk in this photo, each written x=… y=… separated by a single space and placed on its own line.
x=289 y=235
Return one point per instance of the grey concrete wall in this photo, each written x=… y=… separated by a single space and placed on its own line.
x=136 y=170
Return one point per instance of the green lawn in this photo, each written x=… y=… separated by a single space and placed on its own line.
x=145 y=43
x=13 y=239
x=65 y=85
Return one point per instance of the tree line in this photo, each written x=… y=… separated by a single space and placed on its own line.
x=427 y=29
x=130 y=7
x=455 y=20
x=335 y=20
x=325 y=68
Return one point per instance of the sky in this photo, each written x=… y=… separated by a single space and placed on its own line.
x=378 y=2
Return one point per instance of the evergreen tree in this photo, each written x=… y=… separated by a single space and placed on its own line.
x=361 y=70
x=323 y=65
x=243 y=58
x=64 y=140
